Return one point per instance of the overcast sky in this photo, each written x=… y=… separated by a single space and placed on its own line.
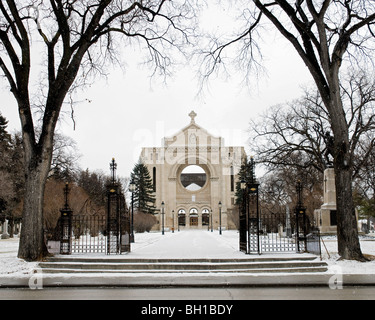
x=119 y=115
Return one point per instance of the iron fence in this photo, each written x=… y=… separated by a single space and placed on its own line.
x=89 y=234
x=313 y=242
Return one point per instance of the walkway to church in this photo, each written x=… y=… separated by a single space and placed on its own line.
x=186 y=244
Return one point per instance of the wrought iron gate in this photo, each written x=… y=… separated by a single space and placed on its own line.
x=271 y=232
x=107 y=232
x=261 y=232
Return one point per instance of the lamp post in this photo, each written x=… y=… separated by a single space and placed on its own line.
x=172 y=221
x=220 y=205
x=212 y=227
x=132 y=190
x=162 y=217
x=178 y=221
x=209 y=219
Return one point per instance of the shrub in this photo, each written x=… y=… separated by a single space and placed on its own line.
x=143 y=222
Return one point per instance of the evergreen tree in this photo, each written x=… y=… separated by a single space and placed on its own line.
x=245 y=174
x=5 y=137
x=144 y=200
x=6 y=168
x=94 y=183
x=3 y=125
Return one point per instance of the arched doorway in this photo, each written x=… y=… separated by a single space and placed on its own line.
x=181 y=218
x=193 y=215
x=205 y=217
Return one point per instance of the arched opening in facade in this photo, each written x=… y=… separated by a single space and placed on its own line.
x=182 y=217
x=193 y=215
x=205 y=217
x=193 y=178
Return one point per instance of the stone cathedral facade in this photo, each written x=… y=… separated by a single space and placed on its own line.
x=194 y=174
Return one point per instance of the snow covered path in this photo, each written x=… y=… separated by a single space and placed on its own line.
x=186 y=244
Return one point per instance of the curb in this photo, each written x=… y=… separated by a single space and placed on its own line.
x=333 y=281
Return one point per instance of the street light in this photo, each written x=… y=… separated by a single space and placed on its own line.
x=212 y=226
x=172 y=221
x=162 y=216
x=178 y=221
x=132 y=190
x=220 y=205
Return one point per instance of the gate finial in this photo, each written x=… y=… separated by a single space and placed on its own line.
x=113 y=167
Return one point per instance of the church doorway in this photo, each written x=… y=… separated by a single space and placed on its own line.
x=205 y=217
x=194 y=221
x=181 y=218
x=193 y=217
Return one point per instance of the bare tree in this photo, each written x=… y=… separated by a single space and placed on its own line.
x=323 y=33
x=80 y=40
x=294 y=134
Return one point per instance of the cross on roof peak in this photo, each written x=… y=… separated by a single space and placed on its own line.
x=192 y=115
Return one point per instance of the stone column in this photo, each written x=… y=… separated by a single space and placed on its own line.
x=329 y=187
x=329 y=206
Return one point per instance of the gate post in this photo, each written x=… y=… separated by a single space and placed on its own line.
x=125 y=228
x=243 y=219
x=66 y=225
x=118 y=218
x=254 y=192
x=113 y=212
x=249 y=214
x=300 y=212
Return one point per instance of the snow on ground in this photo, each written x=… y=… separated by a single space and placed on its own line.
x=9 y=263
x=191 y=244
x=330 y=255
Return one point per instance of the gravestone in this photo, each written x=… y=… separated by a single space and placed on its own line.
x=5 y=234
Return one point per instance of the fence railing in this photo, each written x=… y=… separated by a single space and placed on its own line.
x=313 y=242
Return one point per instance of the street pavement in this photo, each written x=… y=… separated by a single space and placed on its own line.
x=189 y=294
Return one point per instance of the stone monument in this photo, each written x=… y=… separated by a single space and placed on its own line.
x=326 y=216
x=5 y=234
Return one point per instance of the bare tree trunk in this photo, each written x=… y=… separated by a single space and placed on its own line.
x=32 y=246
x=37 y=164
x=347 y=230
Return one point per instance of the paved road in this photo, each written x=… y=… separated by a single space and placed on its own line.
x=310 y=293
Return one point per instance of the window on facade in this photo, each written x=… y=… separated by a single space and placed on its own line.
x=231 y=179
x=193 y=177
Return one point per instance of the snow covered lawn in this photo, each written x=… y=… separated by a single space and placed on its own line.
x=9 y=263
x=190 y=244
